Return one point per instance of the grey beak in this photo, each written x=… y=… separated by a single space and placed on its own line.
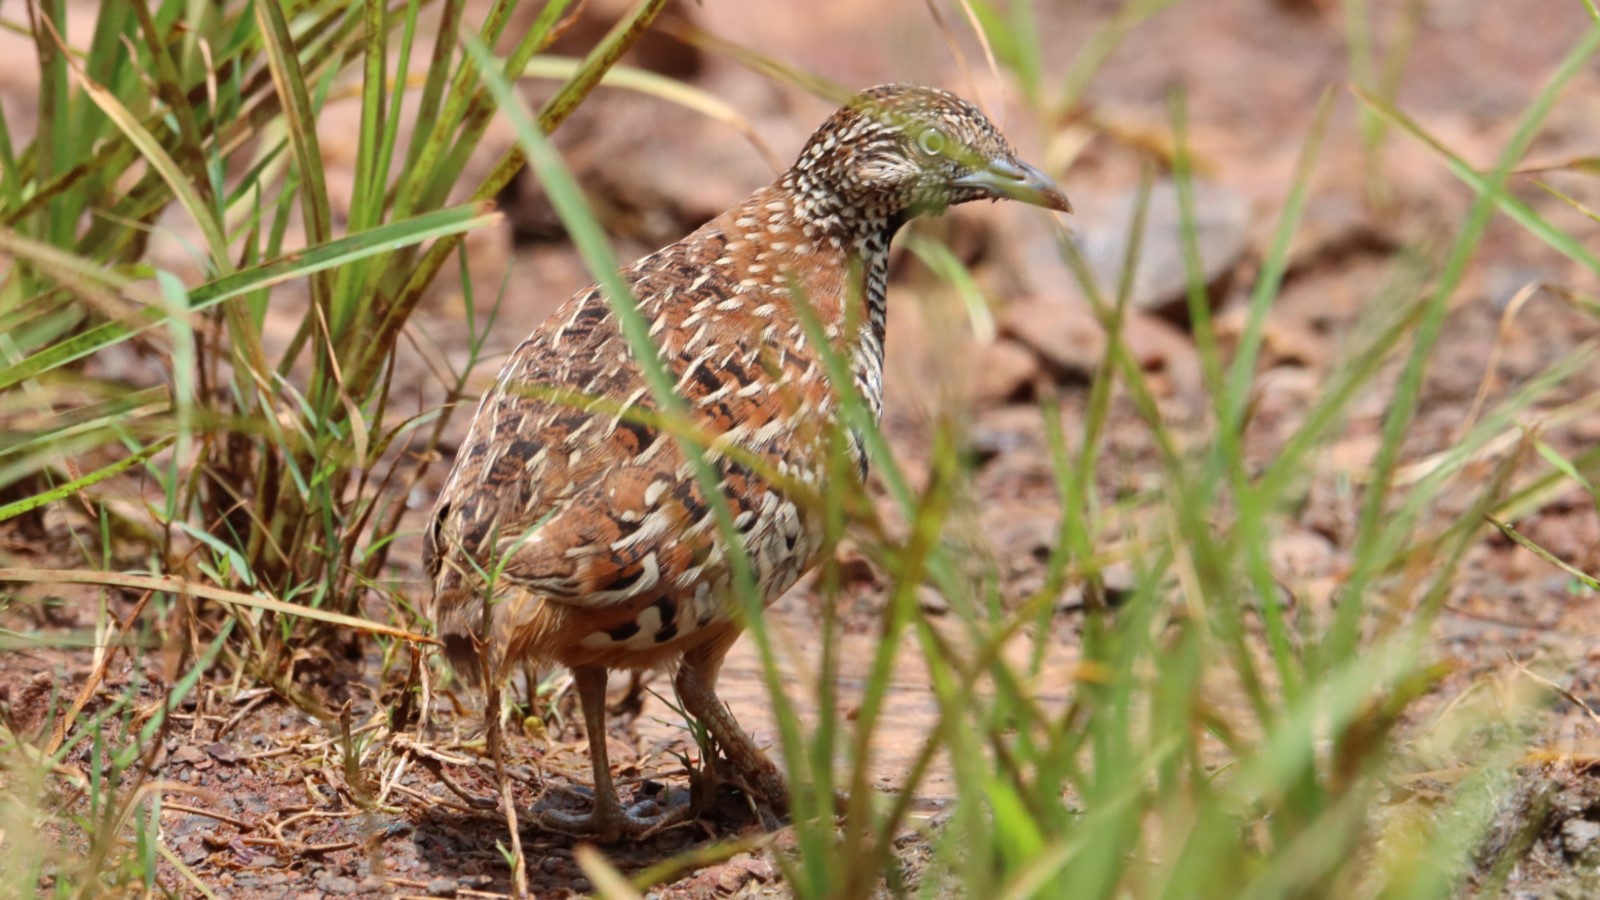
x=1016 y=180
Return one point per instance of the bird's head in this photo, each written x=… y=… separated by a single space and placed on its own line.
x=902 y=150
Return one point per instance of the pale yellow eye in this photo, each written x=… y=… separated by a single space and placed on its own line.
x=931 y=142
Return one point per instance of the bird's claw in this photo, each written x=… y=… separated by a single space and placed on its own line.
x=609 y=823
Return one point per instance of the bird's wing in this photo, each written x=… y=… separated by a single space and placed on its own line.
x=567 y=485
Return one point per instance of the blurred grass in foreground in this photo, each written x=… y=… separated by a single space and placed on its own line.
x=283 y=478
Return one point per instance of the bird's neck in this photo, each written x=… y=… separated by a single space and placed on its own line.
x=848 y=282
x=866 y=355
x=827 y=212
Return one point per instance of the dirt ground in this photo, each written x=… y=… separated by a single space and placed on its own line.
x=265 y=808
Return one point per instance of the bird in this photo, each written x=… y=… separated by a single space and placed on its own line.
x=573 y=528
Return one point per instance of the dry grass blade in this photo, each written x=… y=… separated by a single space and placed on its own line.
x=1568 y=199
x=1492 y=365
x=1524 y=542
x=961 y=59
x=612 y=48
x=156 y=155
x=646 y=82
x=173 y=585
x=301 y=119
x=608 y=882
x=1588 y=165
x=1565 y=693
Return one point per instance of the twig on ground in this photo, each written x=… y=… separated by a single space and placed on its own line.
x=242 y=825
x=1567 y=695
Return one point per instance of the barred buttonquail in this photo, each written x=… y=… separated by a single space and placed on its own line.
x=605 y=553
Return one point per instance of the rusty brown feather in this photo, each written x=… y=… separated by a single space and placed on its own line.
x=580 y=520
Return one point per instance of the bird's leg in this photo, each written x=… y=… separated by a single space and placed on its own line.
x=608 y=821
x=697 y=690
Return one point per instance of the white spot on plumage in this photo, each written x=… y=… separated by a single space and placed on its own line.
x=653 y=491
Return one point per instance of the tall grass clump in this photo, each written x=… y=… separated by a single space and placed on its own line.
x=267 y=476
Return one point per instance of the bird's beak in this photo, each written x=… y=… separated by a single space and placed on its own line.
x=1016 y=180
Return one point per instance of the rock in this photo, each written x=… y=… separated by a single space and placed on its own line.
x=442 y=887
x=1335 y=226
x=1287 y=341
x=1159 y=346
x=1118 y=581
x=855 y=568
x=1281 y=398
x=1005 y=430
x=1061 y=329
x=739 y=871
x=340 y=884
x=1023 y=536
x=1064 y=332
x=1160 y=285
x=1002 y=371
x=1580 y=837
x=1302 y=554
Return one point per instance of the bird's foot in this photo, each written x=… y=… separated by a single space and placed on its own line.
x=765 y=789
x=759 y=777
x=610 y=822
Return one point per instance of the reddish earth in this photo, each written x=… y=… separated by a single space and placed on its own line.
x=264 y=807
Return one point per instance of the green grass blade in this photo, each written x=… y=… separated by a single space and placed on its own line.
x=66 y=490
x=1492 y=187
x=386 y=237
x=1341 y=642
x=301 y=119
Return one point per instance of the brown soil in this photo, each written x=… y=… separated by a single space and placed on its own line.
x=262 y=805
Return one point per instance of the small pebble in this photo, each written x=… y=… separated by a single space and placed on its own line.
x=1579 y=836
x=339 y=884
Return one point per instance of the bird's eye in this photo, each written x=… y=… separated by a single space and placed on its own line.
x=931 y=142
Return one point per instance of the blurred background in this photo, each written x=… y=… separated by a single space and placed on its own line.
x=1274 y=464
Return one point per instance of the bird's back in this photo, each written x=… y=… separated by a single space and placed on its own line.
x=576 y=501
